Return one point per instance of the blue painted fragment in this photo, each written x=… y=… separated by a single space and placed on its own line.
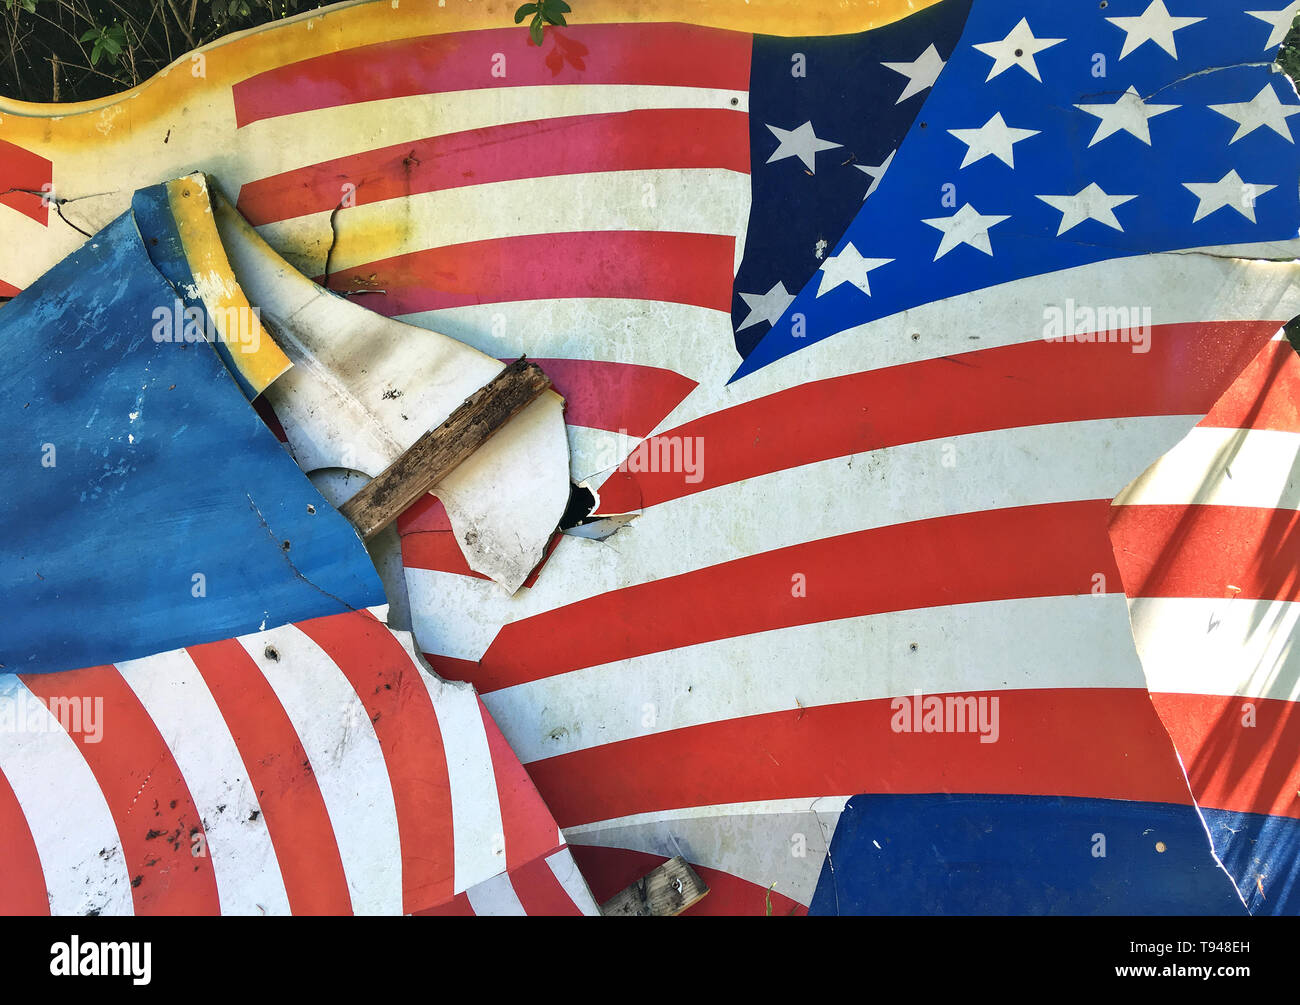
x=1014 y=855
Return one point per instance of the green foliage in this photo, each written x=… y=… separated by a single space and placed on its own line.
x=108 y=41
x=1289 y=54
x=544 y=12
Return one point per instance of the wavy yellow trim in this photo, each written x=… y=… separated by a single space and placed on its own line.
x=252 y=350
x=348 y=25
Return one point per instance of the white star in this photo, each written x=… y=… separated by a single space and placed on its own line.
x=767 y=306
x=848 y=267
x=1264 y=109
x=1017 y=49
x=801 y=142
x=1280 y=20
x=964 y=227
x=1089 y=204
x=1153 y=25
x=1130 y=113
x=876 y=173
x=995 y=137
x=1230 y=190
x=921 y=73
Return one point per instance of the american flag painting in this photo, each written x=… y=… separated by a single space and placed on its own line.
x=864 y=316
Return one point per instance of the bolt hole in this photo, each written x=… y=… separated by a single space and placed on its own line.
x=271 y=654
x=1019 y=53
x=284 y=545
x=311 y=508
x=912 y=647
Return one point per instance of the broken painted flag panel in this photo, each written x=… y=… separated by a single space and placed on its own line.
x=1014 y=855
x=856 y=520
x=149 y=507
x=314 y=768
x=1206 y=540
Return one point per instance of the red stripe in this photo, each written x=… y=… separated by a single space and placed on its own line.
x=22 y=890
x=436 y=551
x=1208 y=551
x=678 y=268
x=673 y=55
x=1026 y=384
x=280 y=772
x=1030 y=551
x=146 y=793
x=398 y=705
x=540 y=892
x=426 y=514
x=458 y=907
x=613 y=869
x=1266 y=396
x=530 y=829
x=1232 y=766
x=451 y=668
x=8 y=290
x=642 y=140
x=1097 y=742
x=618 y=397
x=22 y=169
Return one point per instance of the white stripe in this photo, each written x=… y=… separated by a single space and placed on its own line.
x=780 y=844
x=71 y=825
x=689 y=200
x=696 y=342
x=495 y=897
x=451 y=614
x=177 y=699
x=758 y=807
x=478 y=833
x=1218 y=466
x=1072 y=461
x=1060 y=642
x=289 y=142
x=1200 y=645
x=566 y=873
x=345 y=758
x=592 y=451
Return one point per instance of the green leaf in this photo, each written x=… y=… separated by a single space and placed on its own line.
x=554 y=18
x=87 y=36
x=535 y=30
x=95 y=54
x=524 y=11
x=111 y=45
x=29 y=6
x=559 y=5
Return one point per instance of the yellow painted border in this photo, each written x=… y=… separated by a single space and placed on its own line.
x=191 y=207
x=349 y=25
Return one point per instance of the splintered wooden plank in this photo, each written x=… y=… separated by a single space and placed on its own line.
x=661 y=893
x=437 y=453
